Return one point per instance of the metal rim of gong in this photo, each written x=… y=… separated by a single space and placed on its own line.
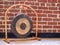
x=13 y=25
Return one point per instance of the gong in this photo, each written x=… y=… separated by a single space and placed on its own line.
x=21 y=26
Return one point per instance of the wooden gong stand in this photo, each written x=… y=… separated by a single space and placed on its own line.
x=32 y=38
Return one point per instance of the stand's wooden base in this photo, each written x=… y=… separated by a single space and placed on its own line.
x=7 y=41
x=20 y=39
x=27 y=39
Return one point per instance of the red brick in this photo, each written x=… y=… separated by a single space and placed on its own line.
x=38 y=26
x=29 y=11
x=1 y=6
x=1 y=14
x=42 y=0
x=13 y=10
x=52 y=23
x=37 y=4
x=39 y=19
x=32 y=15
x=1 y=10
x=56 y=12
x=35 y=7
x=10 y=18
x=6 y=2
x=54 y=31
x=34 y=18
x=6 y=6
x=42 y=4
x=52 y=1
x=38 y=11
x=42 y=15
x=48 y=4
x=1 y=30
x=52 y=8
x=56 y=19
x=9 y=31
x=0 y=22
x=34 y=26
x=2 y=26
x=25 y=11
x=35 y=31
x=44 y=31
x=47 y=11
x=21 y=2
x=8 y=26
x=17 y=2
x=49 y=31
x=3 y=22
x=58 y=4
x=58 y=31
x=53 y=4
x=56 y=26
x=58 y=1
x=10 y=14
x=47 y=26
x=31 y=0
x=50 y=15
x=44 y=8
x=42 y=23
x=1 y=2
x=11 y=3
x=59 y=8
x=9 y=22
x=2 y=18
x=58 y=23
x=29 y=3
x=47 y=19
x=34 y=22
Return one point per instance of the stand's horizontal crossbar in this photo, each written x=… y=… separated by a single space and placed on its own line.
x=32 y=38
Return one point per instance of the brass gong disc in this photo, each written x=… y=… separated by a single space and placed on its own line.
x=21 y=25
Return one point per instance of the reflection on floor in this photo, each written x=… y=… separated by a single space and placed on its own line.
x=34 y=42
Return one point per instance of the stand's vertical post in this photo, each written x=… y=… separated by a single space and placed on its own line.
x=6 y=33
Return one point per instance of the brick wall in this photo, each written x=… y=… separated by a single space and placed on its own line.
x=48 y=12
